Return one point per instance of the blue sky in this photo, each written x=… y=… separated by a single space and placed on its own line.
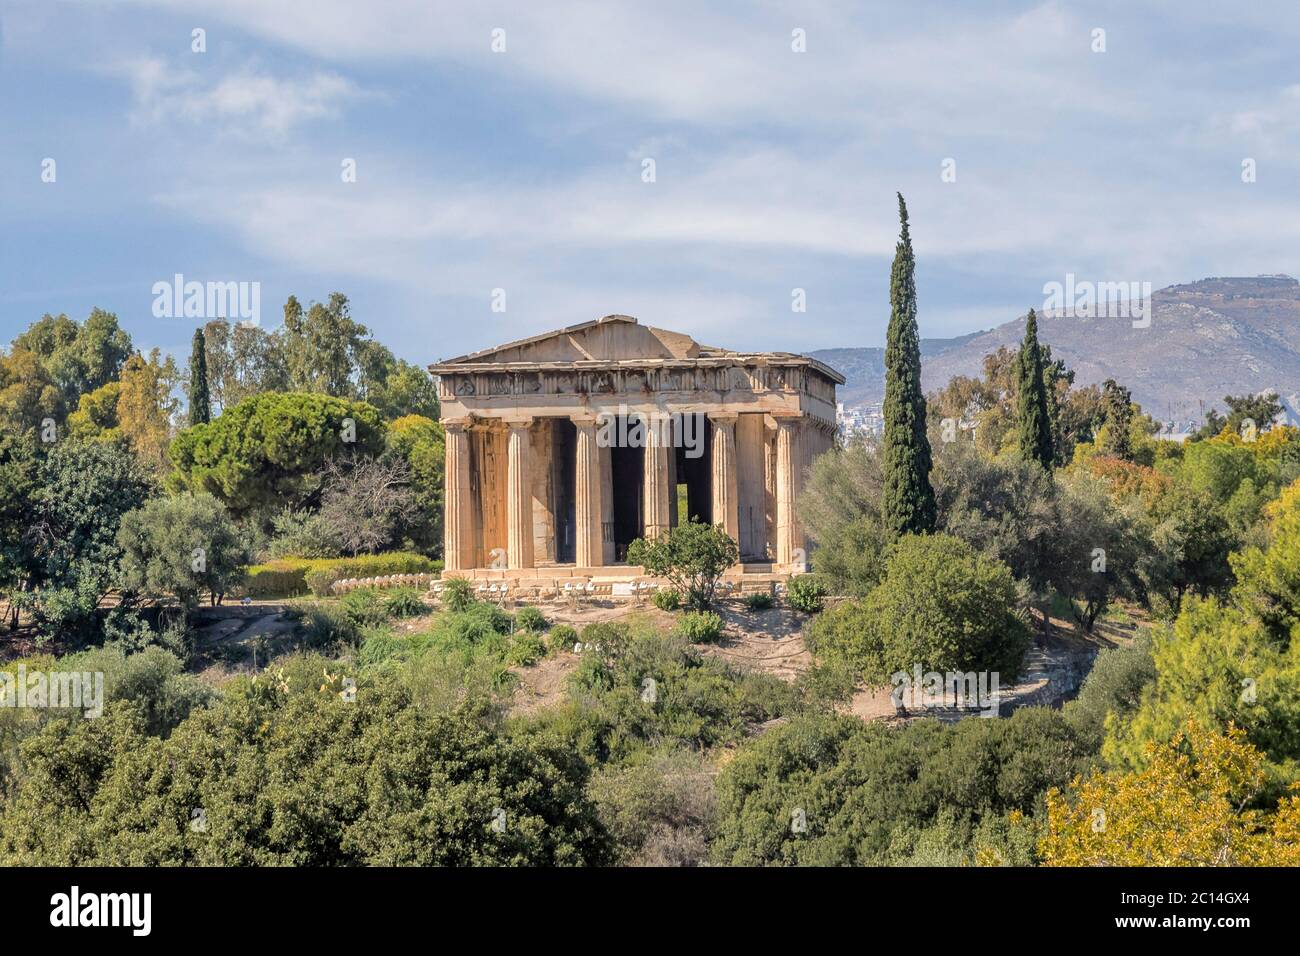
x=522 y=170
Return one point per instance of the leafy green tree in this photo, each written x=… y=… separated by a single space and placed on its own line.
x=1118 y=403
x=908 y=503
x=20 y=476
x=270 y=451
x=77 y=358
x=692 y=556
x=940 y=605
x=243 y=360
x=75 y=513
x=28 y=395
x=200 y=408
x=180 y=547
x=421 y=443
x=1032 y=413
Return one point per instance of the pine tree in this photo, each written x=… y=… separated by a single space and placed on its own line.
x=200 y=408
x=1032 y=413
x=908 y=505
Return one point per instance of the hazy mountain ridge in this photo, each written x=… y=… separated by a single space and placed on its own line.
x=1207 y=339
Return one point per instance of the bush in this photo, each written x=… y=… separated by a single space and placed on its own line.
x=757 y=601
x=805 y=593
x=363 y=607
x=457 y=594
x=562 y=638
x=325 y=626
x=700 y=627
x=526 y=649
x=291 y=577
x=404 y=602
x=691 y=556
x=667 y=599
x=530 y=619
x=941 y=605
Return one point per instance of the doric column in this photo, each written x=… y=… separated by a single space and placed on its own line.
x=458 y=519
x=658 y=518
x=590 y=550
x=519 y=499
x=787 y=459
x=726 y=500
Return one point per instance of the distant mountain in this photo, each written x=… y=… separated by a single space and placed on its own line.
x=864 y=369
x=1207 y=339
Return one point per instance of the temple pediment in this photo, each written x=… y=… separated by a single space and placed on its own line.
x=610 y=339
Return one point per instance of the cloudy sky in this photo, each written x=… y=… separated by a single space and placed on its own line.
x=523 y=170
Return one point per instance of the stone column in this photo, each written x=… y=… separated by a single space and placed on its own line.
x=788 y=538
x=726 y=499
x=519 y=499
x=590 y=549
x=458 y=520
x=657 y=501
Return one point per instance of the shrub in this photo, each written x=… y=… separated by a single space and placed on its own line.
x=941 y=605
x=526 y=649
x=290 y=577
x=457 y=594
x=757 y=601
x=530 y=619
x=805 y=593
x=404 y=602
x=363 y=607
x=667 y=599
x=700 y=627
x=562 y=638
x=325 y=625
x=691 y=556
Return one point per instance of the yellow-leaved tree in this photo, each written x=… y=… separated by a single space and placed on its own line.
x=1190 y=805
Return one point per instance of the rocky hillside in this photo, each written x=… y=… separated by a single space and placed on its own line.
x=1207 y=339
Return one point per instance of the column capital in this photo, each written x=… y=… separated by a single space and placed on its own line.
x=517 y=421
x=727 y=417
x=456 y=424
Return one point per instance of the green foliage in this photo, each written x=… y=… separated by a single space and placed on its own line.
x=757 y=601
x=200 y=407
x=865 y=789
x=667 y=599
x=907 y=504
x=404 y=602
x=1035 y=422
x=941 y=606
x=75 y=513
x=700 y=627
x=692 y=556
x=530 y=619
x=374 y=781
x=526 y=649
x=457 y=594
x=658 y=809
x=420 y=442
x=364 y=607
x=302 y=534
x=561 y=637
x=804 y=592
x=290 y=576
x=270 y=450
x=1112 y=690
x=180 y=548
x=75 y=358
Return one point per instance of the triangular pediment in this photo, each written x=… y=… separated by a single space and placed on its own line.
x=611 y=339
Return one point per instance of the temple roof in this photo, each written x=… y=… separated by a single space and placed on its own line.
x=615 y=340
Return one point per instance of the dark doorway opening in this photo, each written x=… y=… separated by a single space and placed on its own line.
x=564 y=443
x=693 y=498
x=626 y=482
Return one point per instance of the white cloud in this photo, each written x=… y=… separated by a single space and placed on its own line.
x=247 y=101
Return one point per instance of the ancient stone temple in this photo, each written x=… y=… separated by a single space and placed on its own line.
x=565 y=447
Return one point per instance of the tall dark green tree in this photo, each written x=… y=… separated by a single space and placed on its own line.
x=200 y=407
x=1032 y=414
x=908 y=505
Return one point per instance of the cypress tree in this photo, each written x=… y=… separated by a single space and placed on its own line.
x=200 y=407
x=908 y=505
x=1032 y=413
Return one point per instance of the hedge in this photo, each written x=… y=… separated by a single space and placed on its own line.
x=290 y=577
